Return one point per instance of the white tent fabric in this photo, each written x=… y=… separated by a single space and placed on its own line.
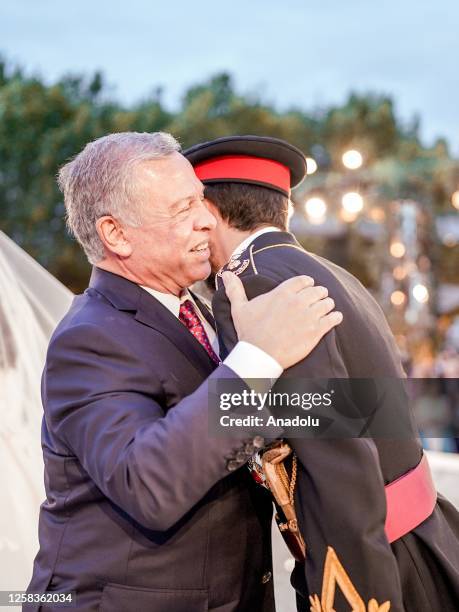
x=32 y=302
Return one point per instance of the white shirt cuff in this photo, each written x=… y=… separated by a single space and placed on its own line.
x=248 y=361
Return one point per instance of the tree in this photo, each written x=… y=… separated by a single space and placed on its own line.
x=42 y=126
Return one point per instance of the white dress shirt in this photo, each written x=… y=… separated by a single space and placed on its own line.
x=246 y=360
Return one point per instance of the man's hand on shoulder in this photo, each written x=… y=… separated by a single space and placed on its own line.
x=286 y=322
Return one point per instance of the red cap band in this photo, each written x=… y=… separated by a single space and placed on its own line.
x=245 y=167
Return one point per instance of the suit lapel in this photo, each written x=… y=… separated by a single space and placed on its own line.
x=126 y=295
x=155 y=315
x=204 y=310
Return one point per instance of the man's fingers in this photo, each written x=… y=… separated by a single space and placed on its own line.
x=322 y=307
x=234 y=289
x=296 y=284
x=330 y=321
x=312 y=295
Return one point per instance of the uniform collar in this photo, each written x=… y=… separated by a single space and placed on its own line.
x=269 y=239
x=242 y=260
x=248 y=241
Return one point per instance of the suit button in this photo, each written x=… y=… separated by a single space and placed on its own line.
x=266 y=577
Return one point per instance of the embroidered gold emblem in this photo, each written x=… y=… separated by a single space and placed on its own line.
x=233 y=264
x=242 y=267
x=335 y=574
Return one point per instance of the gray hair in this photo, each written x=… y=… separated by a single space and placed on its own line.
x=98 y=182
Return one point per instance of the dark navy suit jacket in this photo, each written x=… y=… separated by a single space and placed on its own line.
x=141 y=510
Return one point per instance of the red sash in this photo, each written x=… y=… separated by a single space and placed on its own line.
x=410 y=501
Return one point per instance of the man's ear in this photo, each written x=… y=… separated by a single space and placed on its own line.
x=113 y=236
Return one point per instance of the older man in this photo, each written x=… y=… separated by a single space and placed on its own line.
x=144 y=510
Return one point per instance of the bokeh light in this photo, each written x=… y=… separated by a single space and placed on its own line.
x=449 y=240
x=398 y=298
x=455 y=199
x=420 y=293
x=399 y=273
x=352 y=202
x=352 y=159
x=397 y=249
x=311 y=165
x=377 y=214
x=346 y=216
x=316 y=209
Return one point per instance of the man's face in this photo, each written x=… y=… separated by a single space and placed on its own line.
x=170 y=250
x=218 y=240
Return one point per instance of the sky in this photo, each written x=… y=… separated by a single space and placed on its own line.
x=291 y=53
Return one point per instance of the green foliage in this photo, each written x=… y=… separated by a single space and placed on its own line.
x=42 y=126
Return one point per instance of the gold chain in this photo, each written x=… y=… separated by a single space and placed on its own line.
x=293 y=479
x=289 y=483
x=283 y=475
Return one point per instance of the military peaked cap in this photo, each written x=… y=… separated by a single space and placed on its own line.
x=258 y=160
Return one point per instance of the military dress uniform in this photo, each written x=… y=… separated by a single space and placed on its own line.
x=354 y=559
x=340 y=484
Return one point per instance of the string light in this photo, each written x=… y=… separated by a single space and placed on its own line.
x=311 y=165
x=420 y=293
x=455 y=199
x=399 y=273
x=397 y=249
x=352 y=202
x=316 y=209
x=398 y=298
x=352 y=159
x=347 y=216
x=377 y=214
x=449 y=240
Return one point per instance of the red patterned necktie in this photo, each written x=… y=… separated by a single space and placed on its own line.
x=190 y=319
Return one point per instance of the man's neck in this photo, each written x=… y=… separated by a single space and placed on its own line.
x=233 y=239
x=245 y=236
x=166 y=286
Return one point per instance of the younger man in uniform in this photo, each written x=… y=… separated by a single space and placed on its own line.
x=385 y=546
